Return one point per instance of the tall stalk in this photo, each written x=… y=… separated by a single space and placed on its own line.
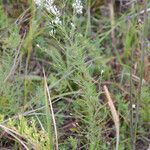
x=88 y=26
x=130 y=106
x=143 y=47
x=130 y=45
x=112 y=22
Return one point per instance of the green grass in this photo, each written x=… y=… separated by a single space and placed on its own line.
x=78 y=60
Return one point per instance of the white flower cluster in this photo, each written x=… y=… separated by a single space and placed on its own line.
x=38 y=2
x=77 y=5
x=51 y=8
x=49 y=5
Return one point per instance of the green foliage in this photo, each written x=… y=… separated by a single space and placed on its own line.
x=3 y=20
x=145 y=111
x=73 y=142
x=78 y=60
x=27 y=129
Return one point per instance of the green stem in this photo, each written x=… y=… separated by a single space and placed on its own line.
x=130 y=106
x=88 y=27
x=143 y=43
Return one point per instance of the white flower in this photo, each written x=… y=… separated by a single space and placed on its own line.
x=50 y=2
x=38 y=2
x=38 y=45
x=133 y=106
x=49 y=5
x=77 y=5
x=102 y=71
x=57 y=20
x=51 y=8
x=52 y=32
x=72 y=25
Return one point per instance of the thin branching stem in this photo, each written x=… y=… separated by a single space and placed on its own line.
x=132 y=135
x=130 y=106
x=143 y=47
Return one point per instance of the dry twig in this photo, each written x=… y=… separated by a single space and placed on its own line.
x=114 y=114
x=14 y=134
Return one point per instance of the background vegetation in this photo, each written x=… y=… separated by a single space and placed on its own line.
x=74 y=75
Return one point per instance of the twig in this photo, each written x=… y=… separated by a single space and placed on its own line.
x=112 y=20
x=117 y=85
x=114 y=114
x=12 y=133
